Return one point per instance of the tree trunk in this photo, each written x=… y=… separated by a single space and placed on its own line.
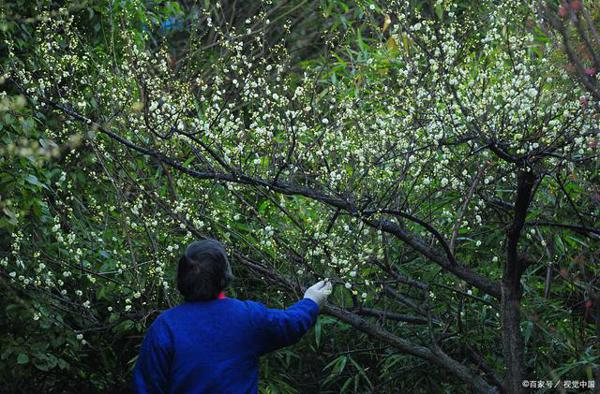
x=512 y=340
x=510 y=305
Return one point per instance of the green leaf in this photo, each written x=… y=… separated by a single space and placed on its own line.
x=439 y=11
x=33 y=180
x=528 y=330
x=263 y=206
x=22 y=358
x=62 y=364
x=124 y=326
x=346 y=385
x=318 y=330
x=361 y=371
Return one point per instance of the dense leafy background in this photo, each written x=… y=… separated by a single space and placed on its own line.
x=91 y=230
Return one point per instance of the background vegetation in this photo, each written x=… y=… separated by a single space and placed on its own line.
x=436 y=159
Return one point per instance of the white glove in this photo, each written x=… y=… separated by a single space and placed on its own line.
x=319 y=292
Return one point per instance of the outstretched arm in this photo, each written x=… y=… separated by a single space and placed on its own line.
x=279 y=328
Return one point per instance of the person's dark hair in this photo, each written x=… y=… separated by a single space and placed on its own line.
x=203 y=271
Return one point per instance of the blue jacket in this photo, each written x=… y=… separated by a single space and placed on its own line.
x=213 y=346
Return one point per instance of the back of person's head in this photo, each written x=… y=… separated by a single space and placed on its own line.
x=203 y=271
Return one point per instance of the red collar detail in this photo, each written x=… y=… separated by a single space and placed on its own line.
x=221 y=296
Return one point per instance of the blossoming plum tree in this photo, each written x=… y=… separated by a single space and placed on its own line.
x=439 y=165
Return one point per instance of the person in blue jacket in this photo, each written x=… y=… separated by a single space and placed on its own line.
x=211 y=343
